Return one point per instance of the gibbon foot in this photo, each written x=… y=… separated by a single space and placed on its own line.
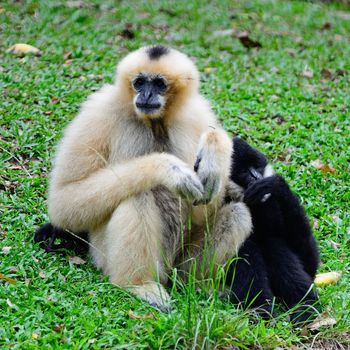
x=212 y=163
x=154 y=293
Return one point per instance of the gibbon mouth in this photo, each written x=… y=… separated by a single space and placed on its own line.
x=148 y=108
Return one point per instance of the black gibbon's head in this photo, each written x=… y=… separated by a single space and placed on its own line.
x=155 y=79
x=249 y=164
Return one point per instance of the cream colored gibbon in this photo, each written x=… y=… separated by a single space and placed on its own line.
x=124 y=173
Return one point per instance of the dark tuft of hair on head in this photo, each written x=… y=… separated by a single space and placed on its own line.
x=156 y=51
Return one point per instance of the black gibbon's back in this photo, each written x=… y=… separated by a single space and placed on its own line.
x=281 y=256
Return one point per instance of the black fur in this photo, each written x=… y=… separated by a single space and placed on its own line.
x=281 y=256
x=156 y=51
x=47 y=235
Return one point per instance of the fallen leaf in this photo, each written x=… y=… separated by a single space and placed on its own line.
x=6 y=250
x=326 y=26
x=67 y=55
x=341 y=72
x=58 y=328
x=139 y=317
x=321 y=321
x=128 y=32
x=24 y=49
x=7 y=279
x=55 y=100
x=13 y=269
x=325 y=168
x=247 y=42
x=42 y=275
x=279 y=118
x=225 y=32
x=76 y=260
x=35 y=336
x=324 y=279
x=316 y=225
x=2 y=10
x=27 y=281
x=307 y=73
x=326 y=73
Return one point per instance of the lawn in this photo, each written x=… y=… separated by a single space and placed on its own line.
x=290 y=98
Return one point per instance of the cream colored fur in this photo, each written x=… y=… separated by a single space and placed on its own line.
x=106 y=167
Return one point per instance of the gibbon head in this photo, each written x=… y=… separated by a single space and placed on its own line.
x=156 y=78
x=249 y=164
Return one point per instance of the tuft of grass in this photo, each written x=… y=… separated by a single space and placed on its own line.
x=261 y=95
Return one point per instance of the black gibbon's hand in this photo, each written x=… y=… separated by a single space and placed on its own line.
x=261 y=190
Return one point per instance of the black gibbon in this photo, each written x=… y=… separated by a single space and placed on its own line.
x=124 y=173
x=281 y=256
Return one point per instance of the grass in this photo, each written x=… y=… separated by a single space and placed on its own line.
x=56 y=304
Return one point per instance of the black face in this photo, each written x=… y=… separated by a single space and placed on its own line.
x=248 y=163
x=149 y=90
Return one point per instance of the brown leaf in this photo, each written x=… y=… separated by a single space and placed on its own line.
x=326 y=73
x=128 y=32
x=341 y=72
x=327 y=26
x=24 y=49
x=247 y=42
x=325 y=168
x=316 y=225
x=7 y=279
x=279 y=118
x=67 y=55
x=55 y=100
x=58 y=328
x=76 y=260
x=42 y=275
x=139 y=317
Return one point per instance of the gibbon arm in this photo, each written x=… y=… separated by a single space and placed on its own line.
x=83 y=204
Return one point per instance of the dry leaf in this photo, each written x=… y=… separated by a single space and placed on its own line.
x=307 y=73
x=324 y=279
x=291 y=51
x=316 y=225
x=2 y=10
x=7 y=279
x=6 y=250
x=341 y=72
x=139 y=317
x=42 y=275
x=327 y=26
x=76 y=260
x=13 y=269
x=321 y=321
x=325 y=168
x=35 y=336
x=24 y=49
x=58 y=328
x=128 y=32
x=247 y=42
x=326 y=73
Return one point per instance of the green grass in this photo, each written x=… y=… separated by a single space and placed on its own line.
x=55 y=304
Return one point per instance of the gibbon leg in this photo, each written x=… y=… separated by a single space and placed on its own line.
x=232 y=226
x=137 y=247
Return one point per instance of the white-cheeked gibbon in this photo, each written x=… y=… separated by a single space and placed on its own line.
x=142 y=156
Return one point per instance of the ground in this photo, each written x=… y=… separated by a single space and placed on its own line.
x=290 y=98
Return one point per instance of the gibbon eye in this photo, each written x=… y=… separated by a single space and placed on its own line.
x=139 y=82
x=159 y=83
